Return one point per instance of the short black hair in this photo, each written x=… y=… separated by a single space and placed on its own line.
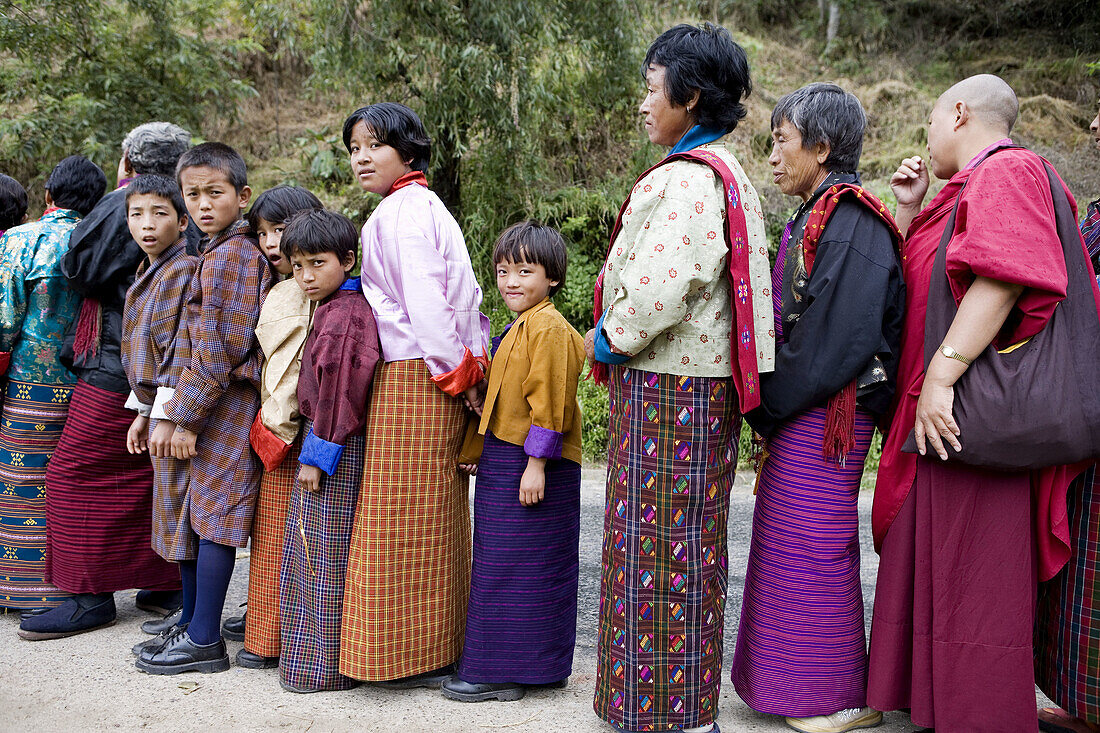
x=13 y=202
x=279 y=205
x=218 y=156
x=397 y=126
x=826 y=113
x=317 y=230
x=535 y=244
x=706 y=59
x=166 y=188
x=76 y=183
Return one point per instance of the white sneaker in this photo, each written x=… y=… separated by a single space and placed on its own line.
x=838 y=722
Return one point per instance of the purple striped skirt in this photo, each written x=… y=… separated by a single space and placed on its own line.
x=801 y=649
x=521 y=622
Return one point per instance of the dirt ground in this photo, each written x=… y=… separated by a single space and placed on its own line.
x=89 y=682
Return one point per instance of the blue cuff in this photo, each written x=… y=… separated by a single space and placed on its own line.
x=603 y=350
x=543 y=443
x=320 y=453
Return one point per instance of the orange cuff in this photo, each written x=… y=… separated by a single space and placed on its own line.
x=268 y=446
x=462 y=377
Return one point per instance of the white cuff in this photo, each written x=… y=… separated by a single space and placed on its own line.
x=133 y=403
x=163 y=395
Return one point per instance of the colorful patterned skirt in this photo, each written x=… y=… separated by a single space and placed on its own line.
x=671 y=464
x=173 y=538
x=409 y=562
x=521 y=625
x=1067 y=632
x=31 y=421
x=262 y=633
x=99 y=503
x=801 y=648
x=314 y=564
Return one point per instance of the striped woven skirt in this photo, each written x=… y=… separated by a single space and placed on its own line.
x=409 y=562
x=801 y=648
x=99 y=503
x=1067 y=632
x=521 y=625
x=262 y=633
x=314 y=564
x=31 y=421
x=173 y=538
x=671 y=464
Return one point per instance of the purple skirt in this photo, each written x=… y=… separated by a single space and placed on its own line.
x=521 y=623
x=801 y=649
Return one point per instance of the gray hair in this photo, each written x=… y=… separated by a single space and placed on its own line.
x=155 y=147
x=825 y=113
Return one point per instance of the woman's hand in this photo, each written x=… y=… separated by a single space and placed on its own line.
x=183 y=443
x=532 y=484
x=309 y=478
x=590 y=345
x=135 y=436
x=935 y=423
x=474 y=397
x=160 y=442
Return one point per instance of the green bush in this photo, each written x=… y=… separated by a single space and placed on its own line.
x=595 y=411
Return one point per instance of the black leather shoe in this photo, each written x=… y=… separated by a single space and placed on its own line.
x=432 y=679
x=249 y=660
x=78 y=614
x=454 y=688
x=180 y=654
x=158 y=626
x=233 y=628
x=158 y=640
x=162 y=602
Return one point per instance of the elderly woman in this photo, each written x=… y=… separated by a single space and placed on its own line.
x=838 y=300
x=683 y=323
x=100 y=497
x=1067 y=635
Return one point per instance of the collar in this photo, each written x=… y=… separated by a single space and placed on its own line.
x=124 y=182
x=695 y=137
x=541 y=305
x=986 y=151
x=352 y=283
x=831 y=180
x=407 y=180
x=237 y=228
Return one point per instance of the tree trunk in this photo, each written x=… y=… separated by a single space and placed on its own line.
x=834 y=24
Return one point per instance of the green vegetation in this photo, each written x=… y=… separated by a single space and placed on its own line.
x=532 y=106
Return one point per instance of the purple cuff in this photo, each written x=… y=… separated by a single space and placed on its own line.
x=543 y=443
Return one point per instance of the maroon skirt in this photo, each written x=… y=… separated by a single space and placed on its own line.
x=99 y=503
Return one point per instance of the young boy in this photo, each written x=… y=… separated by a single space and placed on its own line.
x=13 y=203
x=215 y=401
x=151 y=356
x=334 y=385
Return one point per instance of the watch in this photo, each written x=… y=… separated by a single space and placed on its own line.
x=952 y=354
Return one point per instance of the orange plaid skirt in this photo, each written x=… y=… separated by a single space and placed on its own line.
x=408 y=574
x=262 y=633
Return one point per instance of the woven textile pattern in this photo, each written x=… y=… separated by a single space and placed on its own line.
x=30 y=426
x=671 y=463
x=409 y=562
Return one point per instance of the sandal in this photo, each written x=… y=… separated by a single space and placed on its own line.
x=1057 y=720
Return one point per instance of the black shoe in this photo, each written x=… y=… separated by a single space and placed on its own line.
x=432 y=679
x=249 y=660
x=158 y=626
x=233 y=628
x=180 y=654
x=163 y=602
x=555 y=685
x=27 y=613
x=297 y=690
x=158 y=640
x=78 y=614
x=454 y=688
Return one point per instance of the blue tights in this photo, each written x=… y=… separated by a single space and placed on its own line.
x=205 y=583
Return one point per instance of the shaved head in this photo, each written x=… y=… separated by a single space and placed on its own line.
x=989 y=98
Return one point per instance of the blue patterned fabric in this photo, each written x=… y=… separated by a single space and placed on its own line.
x=36 y=303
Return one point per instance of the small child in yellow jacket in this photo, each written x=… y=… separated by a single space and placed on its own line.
x=521 y=623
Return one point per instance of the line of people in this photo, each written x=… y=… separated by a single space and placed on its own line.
x=331 y=419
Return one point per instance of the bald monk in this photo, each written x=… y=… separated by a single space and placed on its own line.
x=962 y=548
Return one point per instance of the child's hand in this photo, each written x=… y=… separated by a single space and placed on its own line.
x=183 y=443
x=468 y=468
x=135 y=436
x=160 y=442
x=309 y=478
x=532 y=485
